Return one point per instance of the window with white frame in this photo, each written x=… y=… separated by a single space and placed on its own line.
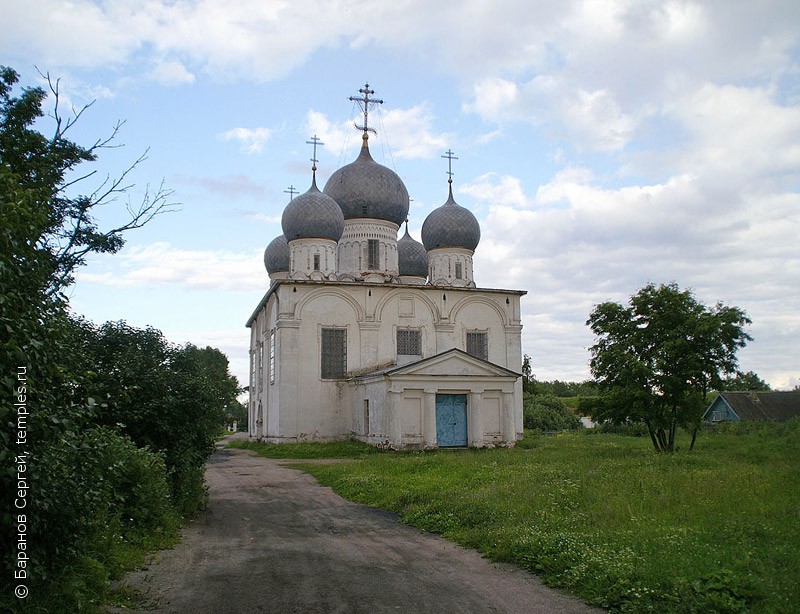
x=333 y=353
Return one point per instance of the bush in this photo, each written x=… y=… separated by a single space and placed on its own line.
x=548 y=413
x=97 y=497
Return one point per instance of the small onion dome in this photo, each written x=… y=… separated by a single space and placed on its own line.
x=412 y=257
x=451 y=225
x=312 y=215
x=276 y=256
x=366 y=189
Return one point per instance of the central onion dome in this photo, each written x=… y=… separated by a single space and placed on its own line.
x=276 y=256
x=451 y=225
x=366 y=189
x=412 y=257
x=312 y=215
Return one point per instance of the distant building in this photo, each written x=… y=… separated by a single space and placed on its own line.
x=736 y=406
x=385 y=340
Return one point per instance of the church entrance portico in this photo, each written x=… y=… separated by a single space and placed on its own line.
x=451 y=420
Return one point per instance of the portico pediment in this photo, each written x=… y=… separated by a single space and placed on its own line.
x=452 y=363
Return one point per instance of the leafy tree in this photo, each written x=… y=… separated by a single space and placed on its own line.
x=744 y=382
x=49 y=169
x=657 y=357
x=46 y=231
x=528 y=380
x=548 y=413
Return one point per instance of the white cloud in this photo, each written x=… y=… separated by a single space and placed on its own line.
x=409 y=131
x=251 y=139
x=171 y=73
x=161 y=264
x=496 y=189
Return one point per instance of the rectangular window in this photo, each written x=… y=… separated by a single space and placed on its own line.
x=373 y=254
x=366 y=416
x=478 y=344
x=316 y=262
x=409 y=342
x=272 y=356
x=334 y=353
x=459 y=273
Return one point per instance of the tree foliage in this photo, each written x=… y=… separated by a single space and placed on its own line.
x=744 y=382
x=117 y=422
x=548 y=413
x=656 y=358
x=49 y=170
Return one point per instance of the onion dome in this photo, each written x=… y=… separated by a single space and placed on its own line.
x=312 y=215
x=412 y=257
x=366 y=189
x=276 y=256
x=451 y=225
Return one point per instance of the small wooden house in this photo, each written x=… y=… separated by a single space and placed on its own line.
x=736 y=406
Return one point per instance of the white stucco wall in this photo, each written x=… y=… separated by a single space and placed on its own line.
x=302 y=405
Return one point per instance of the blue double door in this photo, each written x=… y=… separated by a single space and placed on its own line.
x=451 y=420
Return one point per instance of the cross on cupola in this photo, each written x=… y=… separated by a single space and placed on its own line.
x=364 y=104
x=314 y=141
x=450 y=157
x=291 y=191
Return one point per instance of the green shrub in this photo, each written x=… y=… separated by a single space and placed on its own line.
x=548 y=413
x=96 y=498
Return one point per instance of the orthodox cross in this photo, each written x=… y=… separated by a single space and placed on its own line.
x=314 y=141
x=291 y=192
x=364 y=103
x=450 y=157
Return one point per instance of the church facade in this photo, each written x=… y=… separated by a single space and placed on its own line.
x=386 y=340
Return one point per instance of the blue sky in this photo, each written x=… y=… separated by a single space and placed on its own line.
x=601 y=144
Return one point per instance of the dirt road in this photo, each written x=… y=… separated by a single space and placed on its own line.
x=273 y=540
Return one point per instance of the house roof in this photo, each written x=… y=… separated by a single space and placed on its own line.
x=763 y=405
x=453 y=362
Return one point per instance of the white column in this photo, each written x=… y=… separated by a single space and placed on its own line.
x=393 y=419
x=475 y=422
x=509 y=430
x=429 y=419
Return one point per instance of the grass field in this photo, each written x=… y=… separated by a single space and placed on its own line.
x=602 y=516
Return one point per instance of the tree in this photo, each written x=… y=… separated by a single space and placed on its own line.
x=46 y=231
x=656 y=358
x=49 y=170
x=744 y=382
x=527 y=375
x=548 y=413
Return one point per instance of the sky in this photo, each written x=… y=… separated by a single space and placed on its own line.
x=601 y=144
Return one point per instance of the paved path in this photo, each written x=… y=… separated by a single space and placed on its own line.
x=273 y=540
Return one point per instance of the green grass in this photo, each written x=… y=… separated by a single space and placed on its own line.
x=308 y=450
x=603 y=516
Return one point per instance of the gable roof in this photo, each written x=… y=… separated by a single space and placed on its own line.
x=763 y=405
x=450 y=363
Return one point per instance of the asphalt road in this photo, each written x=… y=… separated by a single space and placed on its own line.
x=273 y=540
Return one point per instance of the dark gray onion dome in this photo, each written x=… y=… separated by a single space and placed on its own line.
x=411 y=256
x=312 y=215
x=451 y=225
x=276 y=256
x=367 y=189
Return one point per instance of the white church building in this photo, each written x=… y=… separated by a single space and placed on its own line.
x=363 y=335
